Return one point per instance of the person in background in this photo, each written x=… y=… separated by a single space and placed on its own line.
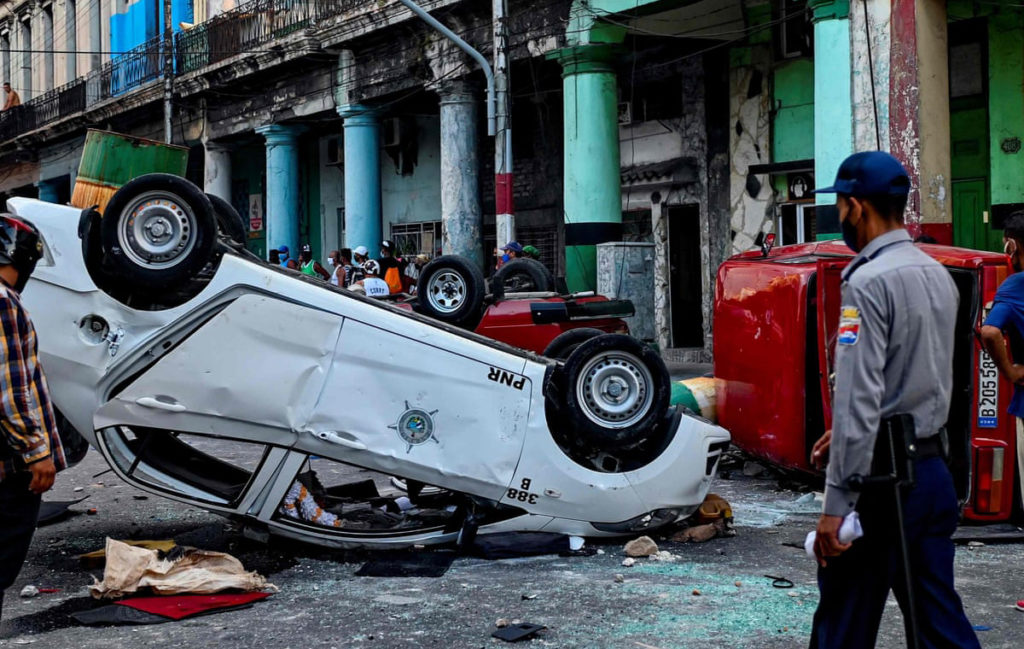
x=530 y=252
x=372 y=285
x=360 y=255
x=309 y=266
x=389 y=266
x=274 y=257
x=11 y=97
x=339 y=261
x=284 y=259
x=511 y=250
x=30 y=449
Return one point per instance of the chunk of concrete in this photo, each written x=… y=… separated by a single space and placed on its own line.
x=641 y=547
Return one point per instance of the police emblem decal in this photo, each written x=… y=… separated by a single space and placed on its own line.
x=415 y=426
x=849 y=325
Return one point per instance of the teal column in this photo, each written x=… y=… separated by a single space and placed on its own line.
x=592 y=185
x=833 y=103
x=47 y=191
x=362 y=177
x=282 y=218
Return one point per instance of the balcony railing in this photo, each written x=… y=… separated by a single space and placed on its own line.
x=246 y=28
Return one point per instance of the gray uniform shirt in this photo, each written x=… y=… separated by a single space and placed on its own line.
x=894 y=355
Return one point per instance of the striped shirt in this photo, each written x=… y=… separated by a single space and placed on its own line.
x=28 y=430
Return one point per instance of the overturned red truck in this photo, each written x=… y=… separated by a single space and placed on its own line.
x=776 y=322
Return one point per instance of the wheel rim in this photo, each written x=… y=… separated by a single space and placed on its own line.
x=157 y=230
x=615 y=389
x=447 y=291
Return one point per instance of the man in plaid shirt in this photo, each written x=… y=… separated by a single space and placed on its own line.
x=30 y=449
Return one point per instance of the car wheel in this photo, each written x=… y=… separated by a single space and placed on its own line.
x=522 y=276
x=567 y=341
x=74 y=444
x=158 y=231
x=229 y=222
x=616 y=390
x=451 y=289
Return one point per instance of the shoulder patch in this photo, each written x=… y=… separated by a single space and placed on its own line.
x=849 y=325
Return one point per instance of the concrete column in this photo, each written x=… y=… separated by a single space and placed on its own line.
x=461 y=217
x=833 y=104
x=282 y=218
x=362 y=177
x=47 y=191
x=592 y=186
x=919 y=112
x=217 y=170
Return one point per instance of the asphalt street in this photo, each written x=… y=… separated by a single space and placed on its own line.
x=715 y=593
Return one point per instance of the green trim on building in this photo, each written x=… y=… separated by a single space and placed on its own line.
x=829 y=9
x=1006 y=105
x=793 y=125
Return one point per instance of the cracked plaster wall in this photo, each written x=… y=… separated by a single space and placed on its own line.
x=751 y=196
x=878 y=16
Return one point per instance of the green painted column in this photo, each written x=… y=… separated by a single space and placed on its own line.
x=833 y=103
x=1006 y=105
x=592 y=187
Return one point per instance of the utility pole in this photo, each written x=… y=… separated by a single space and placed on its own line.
x=168 y=48
x=505 y=220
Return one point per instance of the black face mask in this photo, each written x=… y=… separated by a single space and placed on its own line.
x=849 y=235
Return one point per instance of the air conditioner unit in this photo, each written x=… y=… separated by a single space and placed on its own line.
x=391 y=132
x=625 y=112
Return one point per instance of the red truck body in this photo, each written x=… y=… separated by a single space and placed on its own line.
x=776 y=318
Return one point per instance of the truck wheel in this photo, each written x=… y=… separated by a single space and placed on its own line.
x=229 y=222
x=567 y=342
x=615 y=391
x=158 y=231
x=451 y=289
x=75 y=446
x=522 y=276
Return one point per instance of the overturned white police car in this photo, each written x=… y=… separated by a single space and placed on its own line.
x=205 y=375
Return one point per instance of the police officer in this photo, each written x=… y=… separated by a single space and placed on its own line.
x=893 y=357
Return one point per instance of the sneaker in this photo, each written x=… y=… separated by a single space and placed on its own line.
x=1020 y=605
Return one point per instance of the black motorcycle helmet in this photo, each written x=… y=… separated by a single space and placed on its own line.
x=20 y=246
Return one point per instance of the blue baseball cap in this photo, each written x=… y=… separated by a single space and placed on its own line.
x=514 y=246
x=283 y=249
x=870 y=173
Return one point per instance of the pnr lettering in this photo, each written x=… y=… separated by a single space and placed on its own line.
x=506 y=378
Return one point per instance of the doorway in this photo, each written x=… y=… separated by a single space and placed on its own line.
x=684 y=263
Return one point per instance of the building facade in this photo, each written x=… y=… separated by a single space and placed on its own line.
x=692 y=125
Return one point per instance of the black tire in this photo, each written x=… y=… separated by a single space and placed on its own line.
x=521 y=275
x=451 y=289
x=566 y=342
x=175 y=254
x=595 y=421
x=229 y=222
x=74 y=444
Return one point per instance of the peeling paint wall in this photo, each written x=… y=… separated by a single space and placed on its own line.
x=751 y=196
x=866 y=106
x=414 y=197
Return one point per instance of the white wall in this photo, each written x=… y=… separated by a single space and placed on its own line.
x=416 y=197
x=332 y=196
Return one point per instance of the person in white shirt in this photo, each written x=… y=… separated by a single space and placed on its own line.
x=372 y=284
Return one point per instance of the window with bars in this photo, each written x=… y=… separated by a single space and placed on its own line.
x=416 y=238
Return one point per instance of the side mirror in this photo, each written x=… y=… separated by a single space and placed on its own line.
x=767 y=244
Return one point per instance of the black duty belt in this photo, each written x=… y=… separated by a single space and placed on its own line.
x=928 y=447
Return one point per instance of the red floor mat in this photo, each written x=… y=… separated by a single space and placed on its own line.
x=177 y=607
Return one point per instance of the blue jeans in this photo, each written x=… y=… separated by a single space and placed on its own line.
x=855 y=585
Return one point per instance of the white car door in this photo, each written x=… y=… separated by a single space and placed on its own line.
x=424 y=404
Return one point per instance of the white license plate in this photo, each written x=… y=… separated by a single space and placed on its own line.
x=988 y=392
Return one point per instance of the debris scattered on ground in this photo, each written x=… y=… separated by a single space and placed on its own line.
x=501 y=622
x=397 y=600
x=1020 y=605
x=179 y=607
x=518 y=631
x=739 y=584
x=576 y=543
x=97 y=557
x=29 y=591
x=706 y=532
x=77 y=489
x=92 y=511
x=140 y=497
x=619 y=578
x=665 y=555
x=528 y=596
x=184 y=570
x=628 y=562
x=713 y=508
x=752 y=469
x=974 y=545
x=23 y=640
x=696 y=592
x=641 y=547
